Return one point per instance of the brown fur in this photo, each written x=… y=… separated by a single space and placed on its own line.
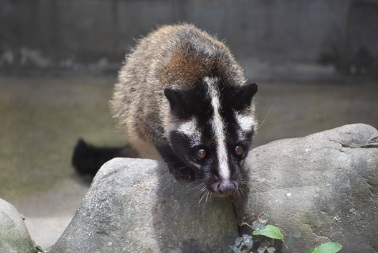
x=175 y=56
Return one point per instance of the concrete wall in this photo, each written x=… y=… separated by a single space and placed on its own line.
x=62 y=32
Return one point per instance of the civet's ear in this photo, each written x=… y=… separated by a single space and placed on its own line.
x=243 y=95
x=178 y=102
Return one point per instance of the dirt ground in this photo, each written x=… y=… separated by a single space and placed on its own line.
x=42 y=118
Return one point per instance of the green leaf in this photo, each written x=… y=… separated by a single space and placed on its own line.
x=328 y=247
x=270 y=231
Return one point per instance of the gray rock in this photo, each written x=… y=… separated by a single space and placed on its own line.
x=324 y=185
x=14 y=237
x=135 y=205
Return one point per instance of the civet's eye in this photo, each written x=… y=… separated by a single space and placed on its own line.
x=239 y=150
x=201 y=153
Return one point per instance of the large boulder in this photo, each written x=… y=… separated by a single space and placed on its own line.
x=135 y=205
x=14 y=237
x=324 y=186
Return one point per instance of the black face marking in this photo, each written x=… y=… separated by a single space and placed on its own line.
x=185 y=104
x=204 y=103
x=178 y=102
x=181 y=144
x=240 y=97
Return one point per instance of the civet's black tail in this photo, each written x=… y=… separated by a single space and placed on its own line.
x=88 y=159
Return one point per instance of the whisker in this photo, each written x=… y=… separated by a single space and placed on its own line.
x=204 y=188
x=267 y=114
x=244 y=183
x=203 y=195
x=195 y=185
x=241 y=190
x=208 y=195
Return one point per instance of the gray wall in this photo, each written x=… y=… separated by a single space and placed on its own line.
x=62 y=32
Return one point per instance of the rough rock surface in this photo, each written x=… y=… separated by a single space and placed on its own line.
x=14 y=237
x=324 y=185
x=135 y=205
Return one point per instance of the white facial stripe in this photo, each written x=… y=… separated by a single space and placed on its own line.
x=190 y=128
x=218 y=128
x=246 y=122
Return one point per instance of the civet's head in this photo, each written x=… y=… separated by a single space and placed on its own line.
x=211 y=129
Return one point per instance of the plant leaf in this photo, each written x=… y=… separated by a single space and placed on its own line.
x=328 y=247
x=270 y=231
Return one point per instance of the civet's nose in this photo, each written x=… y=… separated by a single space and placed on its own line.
x=225 y=188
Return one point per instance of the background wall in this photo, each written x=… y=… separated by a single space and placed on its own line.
x=67 y=33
